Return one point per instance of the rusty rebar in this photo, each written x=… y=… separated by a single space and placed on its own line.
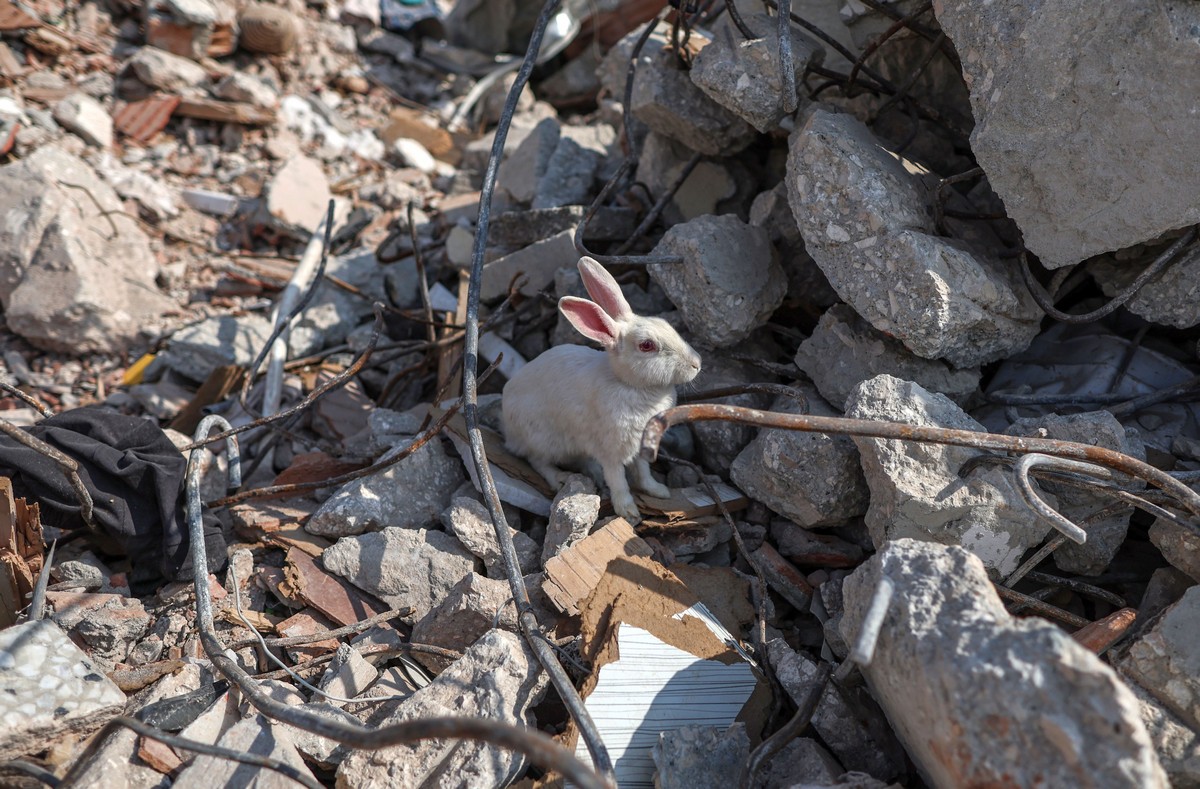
x=1187 y=498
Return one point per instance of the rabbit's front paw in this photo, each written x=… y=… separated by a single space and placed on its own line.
x=627 y=509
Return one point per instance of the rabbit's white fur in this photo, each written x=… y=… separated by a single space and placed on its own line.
x=573 y=404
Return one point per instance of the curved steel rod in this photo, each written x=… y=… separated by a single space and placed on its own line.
x=1038 y=504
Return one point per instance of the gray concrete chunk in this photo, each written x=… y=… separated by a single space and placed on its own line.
x=1060 y=158
x=403 y=567
x=813 y=478
x=865 y=218
x=729 y=282
x=981 y=698
x=409 y=494
x=844 y=350
x=469 y=521
x=1105 y=537
x=743 y=75
x=666 y=100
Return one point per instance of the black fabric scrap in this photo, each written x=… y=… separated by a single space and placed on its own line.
x=136 y=479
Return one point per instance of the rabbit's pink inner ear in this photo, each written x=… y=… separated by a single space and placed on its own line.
x=591 y=321
x=603 y=289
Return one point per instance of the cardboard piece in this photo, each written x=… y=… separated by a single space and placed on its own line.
x=573 y=574
x=20 y=552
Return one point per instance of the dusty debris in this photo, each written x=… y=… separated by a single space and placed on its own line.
x=496 y=678
x=829 y=227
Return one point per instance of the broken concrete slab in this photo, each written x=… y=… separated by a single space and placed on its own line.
x=297 y=198
x=668 y=102
x=916 y=490
x=1043 y=708
x=76 y=275
x=409 y=494
x=844 y=350
x=403 y=567
x=51 y=689
x=1166 y=660
x=571 y=168
x=813 y=478
x=256 y=734
x=537 y=263
x=468 y=610
x=573 y=513
x=347 y=675
x=498 y=678
x=1105 y=537
x=469 y=521
x=865 y=219
x=1074 y=191
x=87 y=118
x=743 y=75
x=164 y=71
x=729 y=282
x=197 y=350
x=521 y=172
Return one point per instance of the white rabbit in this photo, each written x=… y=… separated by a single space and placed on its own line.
x=573 y=404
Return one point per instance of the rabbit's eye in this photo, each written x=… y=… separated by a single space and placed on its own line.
x=647 y=346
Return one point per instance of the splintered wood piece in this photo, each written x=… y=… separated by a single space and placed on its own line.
x=20 y=552
x=334 y=597
x=573 y=574
x=225 y=112
x=219 y=384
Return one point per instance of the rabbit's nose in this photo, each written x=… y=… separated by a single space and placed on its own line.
x=694 y=360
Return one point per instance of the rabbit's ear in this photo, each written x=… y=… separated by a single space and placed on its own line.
x=604 y=290
x=591 y=321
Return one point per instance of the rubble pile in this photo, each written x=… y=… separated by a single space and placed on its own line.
x=927 y=518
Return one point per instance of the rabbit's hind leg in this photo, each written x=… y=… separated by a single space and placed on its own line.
x=618 y=489
x=550 y=472
x=645 y=481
